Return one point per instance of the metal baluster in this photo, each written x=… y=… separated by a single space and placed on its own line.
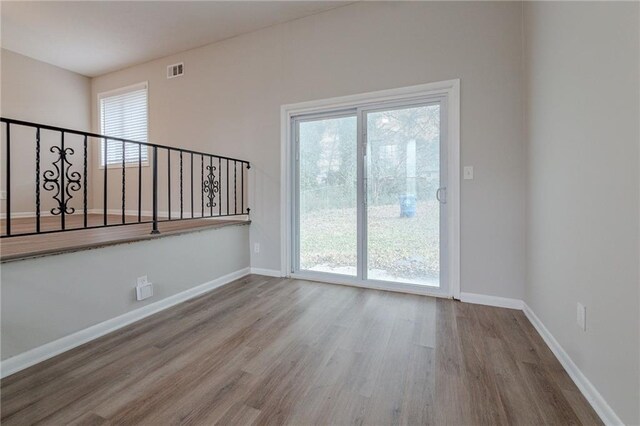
x=84 y=183
x=140 y=181
x=181 y=208
x=8 y=179
x=124 y=159
x=66 y=181
x=63 y=207
x=38 y=180
x=155 y=191
x=169 y=182
x=242 y=187
x=106 y=166
x=202 y=184
x=248 y=168
x=211 y=188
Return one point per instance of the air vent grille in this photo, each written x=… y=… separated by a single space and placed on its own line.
x=175 y=70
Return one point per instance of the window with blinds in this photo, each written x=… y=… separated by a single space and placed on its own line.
x=123 y=114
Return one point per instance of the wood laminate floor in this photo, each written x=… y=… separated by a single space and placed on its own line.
x=27 y=246
x=277 y=351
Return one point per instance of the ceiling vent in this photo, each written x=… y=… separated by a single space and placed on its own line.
x=175 y=70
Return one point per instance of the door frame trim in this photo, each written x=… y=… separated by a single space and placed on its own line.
x=449 y=89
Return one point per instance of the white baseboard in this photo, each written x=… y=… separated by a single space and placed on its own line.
x=51 y=349
x=132 y=212
x=129 y=212
x=79 y=212
x=267 y=272
x=483 y=299
x=21 y=215
x=149 y=213
x=599 y=404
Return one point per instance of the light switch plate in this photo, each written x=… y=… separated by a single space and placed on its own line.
x=581 y=318
x=468 y=172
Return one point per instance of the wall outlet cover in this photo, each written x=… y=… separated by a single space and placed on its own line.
x=144 y=291
x=581 y=318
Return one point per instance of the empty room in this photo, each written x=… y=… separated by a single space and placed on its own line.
x=319 y=212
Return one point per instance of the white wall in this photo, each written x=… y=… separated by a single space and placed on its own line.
x=48 y=298
x=582 y=105
x=229 y=102
x=34 y=91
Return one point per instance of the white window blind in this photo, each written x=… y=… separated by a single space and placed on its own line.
x=123 y=114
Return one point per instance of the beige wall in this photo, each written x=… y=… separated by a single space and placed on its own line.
x=228 y=102
x=582 y=102
x=38 y=92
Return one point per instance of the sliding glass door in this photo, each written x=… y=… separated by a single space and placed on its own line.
x=327 y=194
x=370 y=193
x=402 y=181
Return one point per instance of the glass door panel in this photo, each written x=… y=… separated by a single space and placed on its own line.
x=327 y=195
x=402 y=212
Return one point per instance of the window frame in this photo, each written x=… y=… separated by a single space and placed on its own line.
x=114 y=92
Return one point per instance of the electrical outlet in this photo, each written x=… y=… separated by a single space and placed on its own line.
x=256 y=247
x=582 y=316
x=3 y=195
x=144 y=289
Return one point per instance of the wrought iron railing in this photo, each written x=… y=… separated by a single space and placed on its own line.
x=215 y=185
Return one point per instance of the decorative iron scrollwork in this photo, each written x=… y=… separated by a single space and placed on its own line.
x=211 y=186
x=52 y=181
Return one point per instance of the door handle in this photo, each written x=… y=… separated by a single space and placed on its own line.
x=438 y=195
x=365 y=192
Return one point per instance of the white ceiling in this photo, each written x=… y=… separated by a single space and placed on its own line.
x=97 y=37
